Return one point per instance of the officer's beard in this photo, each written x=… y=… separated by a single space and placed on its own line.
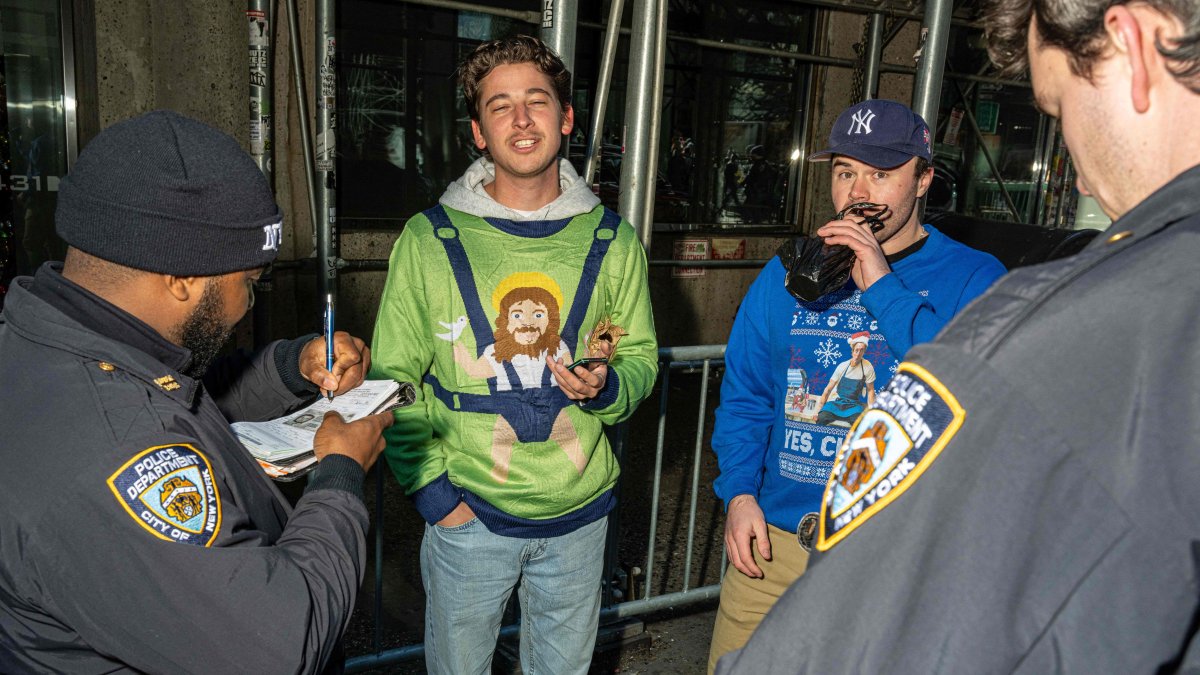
x=203 y=333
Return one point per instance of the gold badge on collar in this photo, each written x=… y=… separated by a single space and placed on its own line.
x=166 y=383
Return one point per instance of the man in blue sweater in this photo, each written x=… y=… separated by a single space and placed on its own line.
x=797 y=373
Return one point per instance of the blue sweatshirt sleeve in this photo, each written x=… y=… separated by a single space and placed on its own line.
x=907 y=318
x=746 y=415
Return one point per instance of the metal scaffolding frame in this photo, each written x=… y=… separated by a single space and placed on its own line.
x=873 y=58
x=814 y=59
x=643 y=108
x=297 y=66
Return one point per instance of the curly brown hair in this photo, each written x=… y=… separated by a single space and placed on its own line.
x=1077 y=27
x=519 y=49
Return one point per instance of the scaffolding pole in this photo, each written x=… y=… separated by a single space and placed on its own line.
x=873 y=57
x=935 y=35
x=643 y=113
x=261 y=19
x=297 y=65
x=603 y=84
x=559 y=20
x=326 y=149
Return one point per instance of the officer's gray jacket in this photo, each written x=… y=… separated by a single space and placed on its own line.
x=1025 y=495
x=136 y=534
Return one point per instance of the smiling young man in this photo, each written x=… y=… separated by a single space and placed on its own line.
x=505 y=454
x=1041 y=516
x=798 y=373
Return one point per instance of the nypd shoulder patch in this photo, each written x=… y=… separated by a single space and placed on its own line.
x=170 y=491
x=888 y=448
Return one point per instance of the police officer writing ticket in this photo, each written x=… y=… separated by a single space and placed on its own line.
x=284 y=446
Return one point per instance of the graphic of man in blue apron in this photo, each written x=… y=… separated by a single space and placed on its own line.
x=854 y=381
x=527 y=308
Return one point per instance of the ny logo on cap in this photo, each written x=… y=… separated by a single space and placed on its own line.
x=274 y=235
x=860 y=122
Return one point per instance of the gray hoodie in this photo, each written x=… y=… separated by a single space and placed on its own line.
x=467 y=195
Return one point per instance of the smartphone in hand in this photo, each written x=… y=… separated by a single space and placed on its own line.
x=587 y=360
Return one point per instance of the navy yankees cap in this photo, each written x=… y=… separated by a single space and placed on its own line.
x=881 y=133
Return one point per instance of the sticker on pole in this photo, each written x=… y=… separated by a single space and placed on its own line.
x=690 y=249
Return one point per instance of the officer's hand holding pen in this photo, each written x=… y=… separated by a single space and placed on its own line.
x=352 y=361
x=329 y=339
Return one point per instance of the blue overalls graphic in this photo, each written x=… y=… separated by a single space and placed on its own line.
x=526 y=414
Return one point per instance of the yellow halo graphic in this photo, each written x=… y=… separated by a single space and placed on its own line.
x=526 y=280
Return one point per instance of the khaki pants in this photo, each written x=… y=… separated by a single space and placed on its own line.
x=745 y=601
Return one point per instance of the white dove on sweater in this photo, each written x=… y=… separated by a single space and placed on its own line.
x=455 y=329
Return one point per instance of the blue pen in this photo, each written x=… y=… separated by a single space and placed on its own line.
x=329 y=338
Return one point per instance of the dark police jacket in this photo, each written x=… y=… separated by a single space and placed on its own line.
x=1025 y=495
x=136 y=534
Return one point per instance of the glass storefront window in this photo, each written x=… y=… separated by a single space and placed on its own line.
x=33 y=96
x=403 y=134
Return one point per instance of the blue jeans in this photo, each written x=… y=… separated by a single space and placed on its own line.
x=469 y=574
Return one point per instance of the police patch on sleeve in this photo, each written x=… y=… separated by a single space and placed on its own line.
x=889 y=447
x=170 y=491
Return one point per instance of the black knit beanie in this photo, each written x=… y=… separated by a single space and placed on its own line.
x=164 y=193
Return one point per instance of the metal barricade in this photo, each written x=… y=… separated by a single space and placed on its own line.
x=691 y=358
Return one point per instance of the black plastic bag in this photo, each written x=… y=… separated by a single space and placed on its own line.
x=812 y=269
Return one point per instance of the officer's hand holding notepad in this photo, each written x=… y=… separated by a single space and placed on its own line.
x=284 y=446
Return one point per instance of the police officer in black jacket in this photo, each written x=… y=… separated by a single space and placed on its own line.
x=1024 y=497
x=136 y=534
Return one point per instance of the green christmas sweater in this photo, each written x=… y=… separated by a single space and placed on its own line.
x=471 y=308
